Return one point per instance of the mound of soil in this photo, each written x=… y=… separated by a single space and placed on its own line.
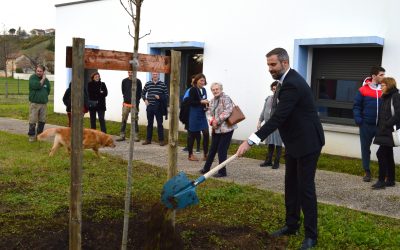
x=150 y=228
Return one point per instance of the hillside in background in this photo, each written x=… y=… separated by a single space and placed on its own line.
x=34 y=49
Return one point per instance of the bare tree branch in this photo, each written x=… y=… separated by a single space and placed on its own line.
x=145 y=35
x=126 y=9
x=129 y=32
x=133 y=16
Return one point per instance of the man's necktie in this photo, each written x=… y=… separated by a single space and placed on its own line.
x=275 y=98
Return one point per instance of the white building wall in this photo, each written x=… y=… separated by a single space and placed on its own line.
x=237 y=35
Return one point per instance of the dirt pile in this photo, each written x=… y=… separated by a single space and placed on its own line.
x=149 y=228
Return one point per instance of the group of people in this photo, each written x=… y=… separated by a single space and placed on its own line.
x=290 y=117
x=154 y=94
x=195 y=108
x=376 y=111
x=94 y=101
x=194 y=111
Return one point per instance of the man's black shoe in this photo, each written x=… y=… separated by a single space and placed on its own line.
x=390 y=183
x=146 y=142
x=284 y=231
x=219 y=175
x=266 y=164
x=202 y=171
x=308 y=243
x=379 y=185
x=367 y=177
x=121 y=138
x=275 y=166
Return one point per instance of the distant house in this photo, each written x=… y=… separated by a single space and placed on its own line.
x=10 y=63
x=22 y=62
x=38 y=32
x=50 y=32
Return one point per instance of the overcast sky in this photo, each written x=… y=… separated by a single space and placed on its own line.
x=28 y=14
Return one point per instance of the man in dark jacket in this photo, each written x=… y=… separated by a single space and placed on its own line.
x=155 y=96
x=365 y=110
x=126 y=88
x=39 y=90
x=296 y=117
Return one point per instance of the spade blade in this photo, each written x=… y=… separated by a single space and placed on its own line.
x=179 y=192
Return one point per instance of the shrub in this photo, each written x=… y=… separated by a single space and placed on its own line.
x=51 y=45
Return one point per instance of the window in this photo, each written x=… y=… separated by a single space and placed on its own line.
x=337 y=73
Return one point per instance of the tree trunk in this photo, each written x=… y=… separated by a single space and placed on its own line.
x=128 y=192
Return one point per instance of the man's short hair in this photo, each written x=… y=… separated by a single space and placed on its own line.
x=376 y=69
x=41 y=67
x=280 y=52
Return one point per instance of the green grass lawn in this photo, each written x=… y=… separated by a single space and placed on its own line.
x=15 y=86
x=17 y=107
x=34 y=193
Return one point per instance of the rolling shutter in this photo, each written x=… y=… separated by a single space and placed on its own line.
x=345 y=63
x=343 y=70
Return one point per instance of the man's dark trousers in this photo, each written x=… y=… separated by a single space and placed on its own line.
x=367 y=134
x=300 y=192
x=154 y=110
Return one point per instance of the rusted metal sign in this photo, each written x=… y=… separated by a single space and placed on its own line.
x=118 y=60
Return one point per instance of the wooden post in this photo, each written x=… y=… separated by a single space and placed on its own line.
x=173 y=118
x=77 y=88
x=173 y=113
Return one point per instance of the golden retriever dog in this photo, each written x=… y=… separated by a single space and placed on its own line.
x=92 y=139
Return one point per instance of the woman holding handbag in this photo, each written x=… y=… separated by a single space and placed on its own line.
x=97 y=91
x=220 y=109
x=198 y=105
x=389 y=116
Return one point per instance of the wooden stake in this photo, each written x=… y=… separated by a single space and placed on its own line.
x=77 y=88
x=173 y=114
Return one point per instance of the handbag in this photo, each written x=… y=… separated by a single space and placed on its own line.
x=236 y=116
x=396 y=136
x=396 y=132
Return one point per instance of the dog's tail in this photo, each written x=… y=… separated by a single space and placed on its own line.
x=47 y=133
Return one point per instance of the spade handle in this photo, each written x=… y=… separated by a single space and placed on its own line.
x=223 y=164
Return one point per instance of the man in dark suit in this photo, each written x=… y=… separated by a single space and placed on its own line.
x=296 y=117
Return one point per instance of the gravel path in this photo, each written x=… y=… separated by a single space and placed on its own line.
x=332 y=188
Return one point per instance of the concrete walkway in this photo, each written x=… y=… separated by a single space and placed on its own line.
x=332 y=188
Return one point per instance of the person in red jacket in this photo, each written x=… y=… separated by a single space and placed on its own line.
x=365 y=110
